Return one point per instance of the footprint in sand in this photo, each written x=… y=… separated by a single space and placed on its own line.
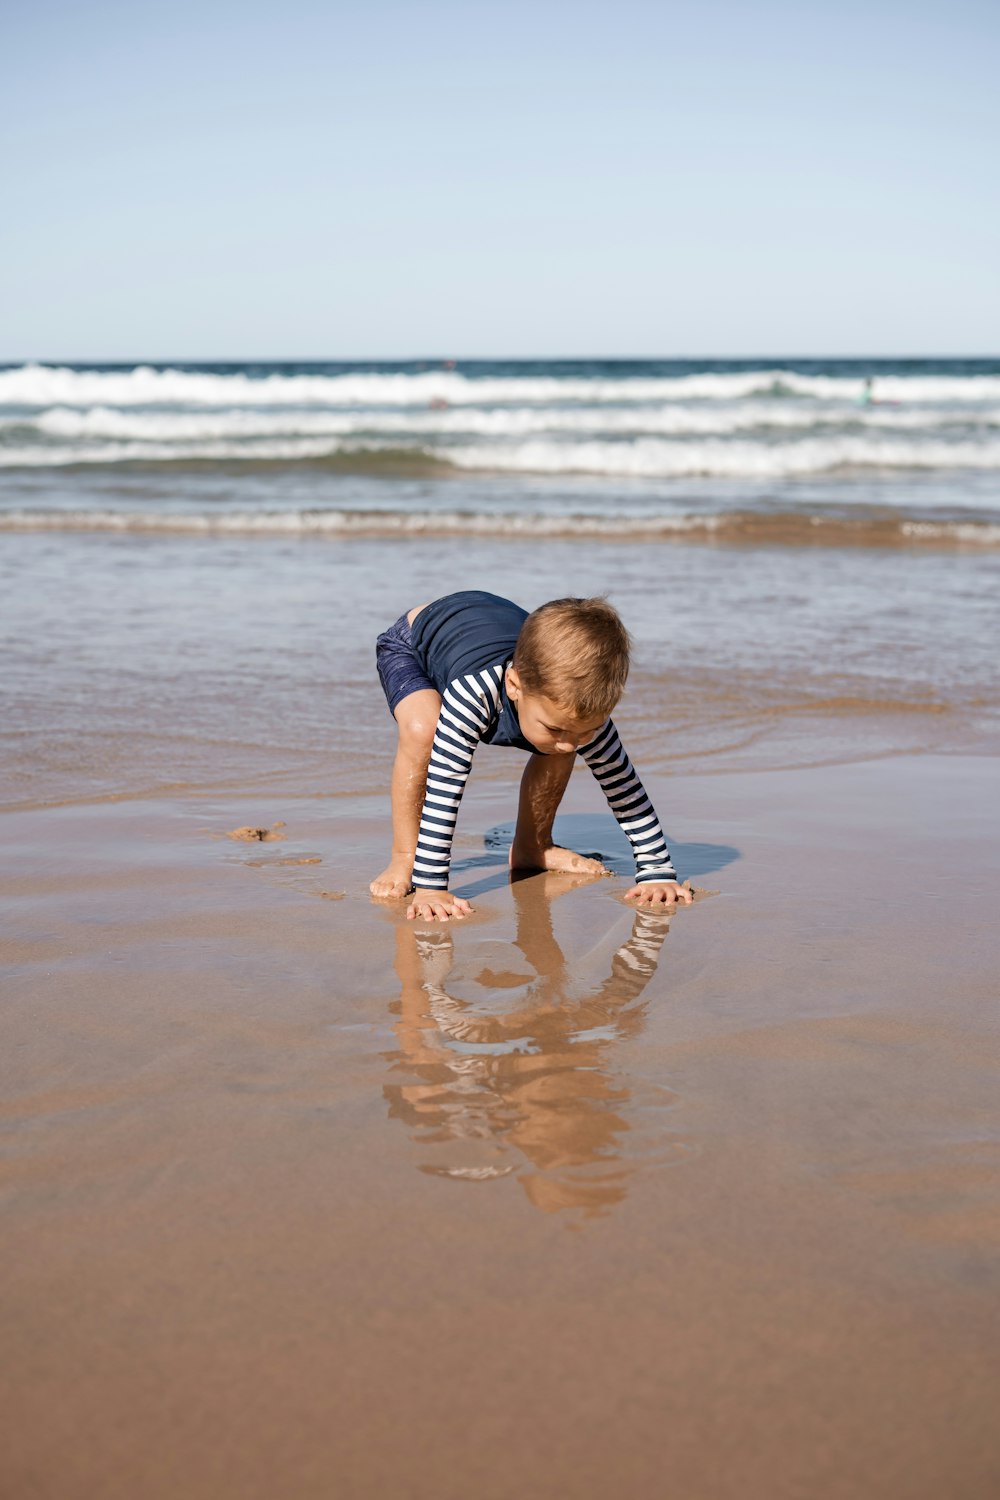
x=249 y=835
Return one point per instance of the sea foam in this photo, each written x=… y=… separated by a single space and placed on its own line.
x=35 y=385
x=736 y=527
x=636 y=420
x=644 y=457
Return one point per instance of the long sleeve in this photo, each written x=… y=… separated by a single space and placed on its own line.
x=468 y=708
x=628 y=801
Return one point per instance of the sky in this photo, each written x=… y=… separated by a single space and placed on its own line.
x=388 y=180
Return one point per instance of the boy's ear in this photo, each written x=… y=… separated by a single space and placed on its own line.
x=513 y=682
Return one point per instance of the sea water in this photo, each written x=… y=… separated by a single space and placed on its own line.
x=194 y=559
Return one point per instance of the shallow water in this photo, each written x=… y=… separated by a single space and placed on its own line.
x=194 y=562
x=134 y=662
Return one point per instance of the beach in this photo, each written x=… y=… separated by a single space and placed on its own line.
x=300 y=1197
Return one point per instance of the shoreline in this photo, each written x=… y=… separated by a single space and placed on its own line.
x=288 y=785
x=143 y=662
x=814 y=526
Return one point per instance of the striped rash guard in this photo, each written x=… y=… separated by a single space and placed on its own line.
x=465 y=642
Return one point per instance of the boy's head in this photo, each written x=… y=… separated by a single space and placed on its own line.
x=569 y=670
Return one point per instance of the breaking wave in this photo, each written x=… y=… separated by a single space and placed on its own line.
x=655 y=458
x=713 y=419
x=40 y=386
x=639 y=457
x=644 y=421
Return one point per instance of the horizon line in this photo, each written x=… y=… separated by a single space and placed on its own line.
x=454 y=359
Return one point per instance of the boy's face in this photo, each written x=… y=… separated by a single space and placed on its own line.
x=547 y=724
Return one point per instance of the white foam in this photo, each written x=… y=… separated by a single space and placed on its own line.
x=711 y=419
x=655 y=458
x=647 y=457
x=347 y=523
x=969 y=532
x=333 y=524
x=291 y=451
x=43 y=386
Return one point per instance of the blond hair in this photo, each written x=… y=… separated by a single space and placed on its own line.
x=576 y=652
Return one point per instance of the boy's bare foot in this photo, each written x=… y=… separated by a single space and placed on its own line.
x=554 y=857
x=395 y=881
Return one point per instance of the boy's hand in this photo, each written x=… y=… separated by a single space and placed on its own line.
x=661 y=893
x=437 y=906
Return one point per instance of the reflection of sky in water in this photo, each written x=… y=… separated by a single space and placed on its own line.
x=506 y=1060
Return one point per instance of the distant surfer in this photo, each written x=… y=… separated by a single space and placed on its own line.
x=869 y=398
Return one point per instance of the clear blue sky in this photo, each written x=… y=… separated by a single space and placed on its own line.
x=330 y=180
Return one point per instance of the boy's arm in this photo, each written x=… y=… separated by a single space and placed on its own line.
x=463 y=720
x=605 y=755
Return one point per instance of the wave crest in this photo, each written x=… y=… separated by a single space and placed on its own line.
x=643 y=457
x=39 y=386
x=637 y=420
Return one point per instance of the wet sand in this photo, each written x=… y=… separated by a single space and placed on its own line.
x=301 y=1199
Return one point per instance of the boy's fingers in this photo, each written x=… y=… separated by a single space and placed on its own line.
x=665 y=895
x=438 y=911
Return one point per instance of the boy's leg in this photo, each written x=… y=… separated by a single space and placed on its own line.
x=416 y=720
x=545 y=779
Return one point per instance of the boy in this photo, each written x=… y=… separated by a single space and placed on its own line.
x=472 y=667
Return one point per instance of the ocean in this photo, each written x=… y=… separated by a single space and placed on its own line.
x=194 y=558
x=802 y=449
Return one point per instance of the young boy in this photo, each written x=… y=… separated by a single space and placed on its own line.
x=473 y=667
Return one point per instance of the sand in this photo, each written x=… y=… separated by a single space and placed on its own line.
x=300 y=1199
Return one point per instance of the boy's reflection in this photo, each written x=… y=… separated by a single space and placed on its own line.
x=520 y=1078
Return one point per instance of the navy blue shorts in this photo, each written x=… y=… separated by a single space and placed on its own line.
x=399 y=671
